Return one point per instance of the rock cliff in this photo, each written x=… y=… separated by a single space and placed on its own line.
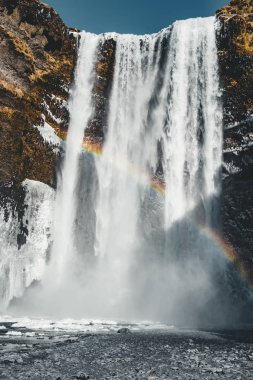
x=38 y=55
x=235 y=44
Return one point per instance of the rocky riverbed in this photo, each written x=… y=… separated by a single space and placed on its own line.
x=123 y=352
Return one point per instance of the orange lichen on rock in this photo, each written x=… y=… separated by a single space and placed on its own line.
x=239 y=16
x=7 y=112
x=235 y=49
x=20 y=45
x=102 y=68
x=11 y=88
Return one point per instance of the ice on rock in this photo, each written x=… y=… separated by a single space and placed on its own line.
x=20 y=267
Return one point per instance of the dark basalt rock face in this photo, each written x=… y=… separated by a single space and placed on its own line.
x=96 y=130
x=235 y=45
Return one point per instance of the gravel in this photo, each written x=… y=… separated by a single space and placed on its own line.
x=146 y=355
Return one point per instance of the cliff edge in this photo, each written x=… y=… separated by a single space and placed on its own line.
x=235 y=45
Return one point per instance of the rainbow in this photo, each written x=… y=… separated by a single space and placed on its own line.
x=226 y=248
x=245 y=267
x=96 y=148
x=90 y=146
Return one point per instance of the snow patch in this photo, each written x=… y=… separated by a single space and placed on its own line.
x=53 y=117
x=49 y=135
x=14 y=333
x=231 y=168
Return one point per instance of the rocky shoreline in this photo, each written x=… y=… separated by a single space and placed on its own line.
x=140 y=355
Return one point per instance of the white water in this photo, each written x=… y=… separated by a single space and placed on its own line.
x=80 y=109
x=191 y=169
x=121 y=167
x=189 y=85
x=142 y=254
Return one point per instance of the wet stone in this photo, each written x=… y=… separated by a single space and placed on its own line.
x=139 y=355
x=123 y=330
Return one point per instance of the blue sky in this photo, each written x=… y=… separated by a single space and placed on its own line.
x=130 y=16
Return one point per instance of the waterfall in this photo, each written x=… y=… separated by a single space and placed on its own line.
x=152 y=193
x=123 y=163
x=80 y=112
x=171 y=102
x=192 y=137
